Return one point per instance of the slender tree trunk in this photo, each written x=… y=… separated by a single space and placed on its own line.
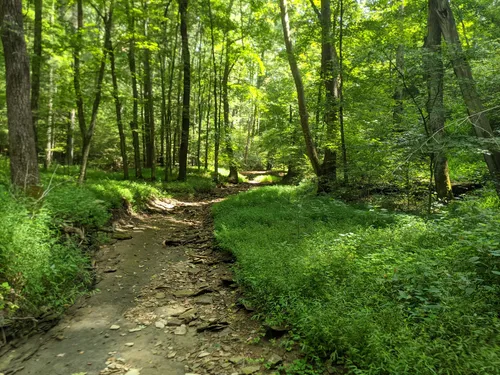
x=70 y=140
x=207 y=131
x=134 y=124
x=22 y=143
x=341 y=93
x=216 y=107
x=36 y=64
x=149 y=123
x=88 y=133
x=463 y=71
x=233 y=168
x=169 y=161
x=163 y=108
x=301 y=97
x=118 y=109
x=50 y=122
x=435 y=107
x=183 y=150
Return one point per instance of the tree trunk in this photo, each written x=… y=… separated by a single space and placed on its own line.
x=22 y=146
x=50 y=122
x=169 y=161
x=477 y=115
x=341 y=93
x=36 y=64
x=233 y=168
x=435 y=107
x=149 y=123
x=70 y=140
x=134 y=124
x=329 y=69
x=216 y=107
x=301 y=97
x=118 y=109
x=88 y=133
x=183 y=150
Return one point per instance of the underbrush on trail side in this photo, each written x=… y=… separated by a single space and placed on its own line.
x=373 y=291
x=44 y=241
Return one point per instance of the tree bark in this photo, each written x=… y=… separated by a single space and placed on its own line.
x=233 y=168
x=435 y=106
x=88 y=133
x=70 y=140
x=216 y=108
x=301 y=97
x=183 y=150
x=36 y=65
x=477 y=115
x=118 y=109
x=169 y=161
x=134 y=124
x=22 y=146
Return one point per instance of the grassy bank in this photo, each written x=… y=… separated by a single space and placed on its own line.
x=376 y=292
x=42 y=268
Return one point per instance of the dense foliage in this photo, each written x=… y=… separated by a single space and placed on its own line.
x=378 y=292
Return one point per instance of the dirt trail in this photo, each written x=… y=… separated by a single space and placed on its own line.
x=165 y=304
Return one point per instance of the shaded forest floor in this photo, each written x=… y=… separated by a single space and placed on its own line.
x=165 y=303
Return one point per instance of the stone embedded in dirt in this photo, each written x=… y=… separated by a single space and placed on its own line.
x=60 y=355
x=212 y=326
x=203 y=354
x=250 y=370
x=137 y=329
x=121 y=236
x=160 y=295
x=129 y=344
x=172 y=310
x=133 y=371
x=160 y=324
x=114 y=327
x=171 y=355
x=174 y=322
x=237 y=360
x=184 y=293
x=275 y=360
x=181 y=330
x=188 y=315
x=204 y=300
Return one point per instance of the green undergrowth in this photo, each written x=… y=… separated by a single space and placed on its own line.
x=373 y=291
x=44 y=263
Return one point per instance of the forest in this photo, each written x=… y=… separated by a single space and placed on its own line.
x=316 y=184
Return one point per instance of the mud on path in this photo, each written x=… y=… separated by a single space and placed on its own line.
x=165 y=304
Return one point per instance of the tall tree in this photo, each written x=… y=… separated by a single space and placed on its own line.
x=435 y=105
x=186 y=97
x=22 y=145
x=88 y=132
x=36 y=63
x=134 y=124
x=477 y=115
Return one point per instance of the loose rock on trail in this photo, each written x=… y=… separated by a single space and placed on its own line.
x=165 y=304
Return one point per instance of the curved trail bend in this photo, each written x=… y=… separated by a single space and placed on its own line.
x=165 y=304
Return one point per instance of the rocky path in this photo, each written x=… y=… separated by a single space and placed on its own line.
x=165 y=304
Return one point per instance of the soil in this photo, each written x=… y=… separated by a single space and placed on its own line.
x=165 y=304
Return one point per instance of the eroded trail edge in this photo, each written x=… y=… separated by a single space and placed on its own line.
x=165 y=303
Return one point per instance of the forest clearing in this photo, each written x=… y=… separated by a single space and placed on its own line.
x=295 y=187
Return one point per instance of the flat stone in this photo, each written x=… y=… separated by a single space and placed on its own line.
x=137 y=329
x=189 y=315
x=160 y=295
x=160 y=324
x=133 y=371
x=174 y=322
x=129 y=344
x=250 y=370
x=237 y=360
x=204 y=300
x=275 y=360
x=114 y=327
x=184 y=293
x=181 y=330
x=172 y=310
x=171 y=355
x=203 y=354
x=121 y=236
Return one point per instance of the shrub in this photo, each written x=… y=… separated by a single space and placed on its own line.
x=381 y=293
